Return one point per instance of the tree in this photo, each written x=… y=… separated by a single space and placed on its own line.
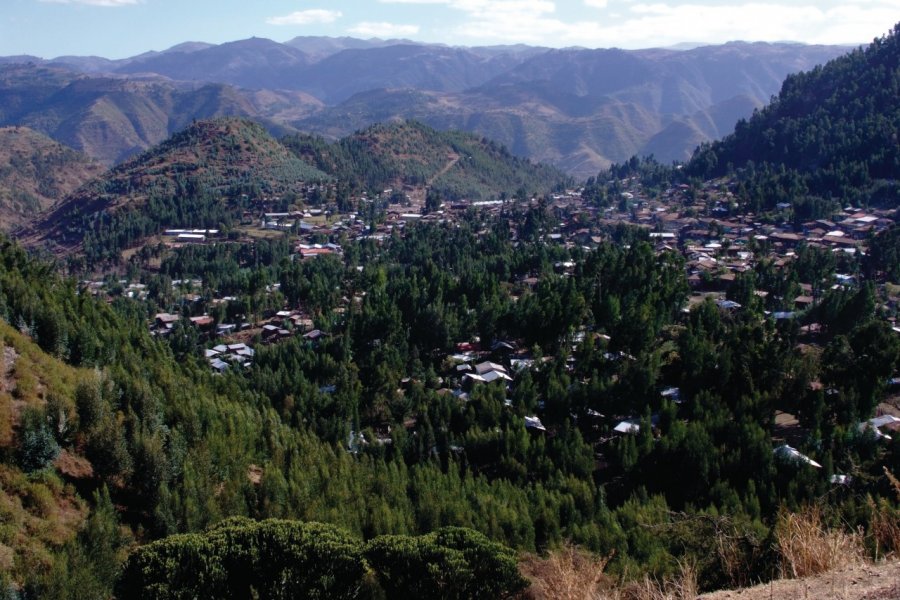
x=433 y=201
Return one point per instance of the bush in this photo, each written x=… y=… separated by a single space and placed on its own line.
x=37 y=446
x=807 y=547
x=452 y=562
x=241 y=558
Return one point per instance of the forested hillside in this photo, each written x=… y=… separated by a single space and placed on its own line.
x=453 y=164
x=828 y=139
x=202 y=177
x=211 y=174
x=371 y=426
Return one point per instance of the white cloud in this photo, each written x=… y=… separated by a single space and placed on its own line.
x=645 y=23
x=642 y=25
x=383 y=30
x=306 y=17
x=106 y=3
x=758 y=21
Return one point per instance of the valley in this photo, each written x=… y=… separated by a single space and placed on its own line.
x=311 y=355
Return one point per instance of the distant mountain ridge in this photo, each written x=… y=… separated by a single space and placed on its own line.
x=579 y=109
x=114 y=118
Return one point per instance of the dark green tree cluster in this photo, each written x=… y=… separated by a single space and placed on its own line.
x=240 y=558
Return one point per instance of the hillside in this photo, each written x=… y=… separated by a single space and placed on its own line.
x=828 y=138
x=865 y=582
x=41 y=511
x=196 y=178
x=36 y=172
x=413 y=156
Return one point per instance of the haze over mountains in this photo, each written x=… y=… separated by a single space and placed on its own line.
x=576 y=108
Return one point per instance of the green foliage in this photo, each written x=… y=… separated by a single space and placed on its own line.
x=884 y=254
x=241 y=558
x=452 y=164
x=88 y=565
x=37 y=446
x=447 y=563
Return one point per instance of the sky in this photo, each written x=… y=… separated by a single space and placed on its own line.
x=122 y=28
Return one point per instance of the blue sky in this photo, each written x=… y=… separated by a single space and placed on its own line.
x=120 y=28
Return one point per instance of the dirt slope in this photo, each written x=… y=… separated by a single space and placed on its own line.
x=867 y=582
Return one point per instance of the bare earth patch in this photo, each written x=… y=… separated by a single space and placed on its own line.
x=74 y=466
x=864 y=582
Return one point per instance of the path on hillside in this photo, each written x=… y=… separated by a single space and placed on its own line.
x=453 y=160
x=865 y=582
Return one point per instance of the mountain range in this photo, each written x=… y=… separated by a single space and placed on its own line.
x=579 y=109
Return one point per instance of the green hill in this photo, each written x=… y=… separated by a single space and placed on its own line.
x=36 y=172
x=412 y=155
x=831 y=136
x=201 y=178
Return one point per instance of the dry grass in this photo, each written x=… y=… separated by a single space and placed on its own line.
x=885 y=523
x=574 y=574
x=569 y=573
x=808 y=548
x=885 y=530
x=681 y=587
x=895 y=483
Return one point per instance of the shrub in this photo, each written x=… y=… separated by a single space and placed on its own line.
x=568 y=573
x=451 y=562
x=241 y=558
x=807 y=547
x=37 y=446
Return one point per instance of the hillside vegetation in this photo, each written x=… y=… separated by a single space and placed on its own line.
x=409 y=154
x=201 y=177
x=830 y=138
x=45 y=479
x=35 y=173
x=207 y=175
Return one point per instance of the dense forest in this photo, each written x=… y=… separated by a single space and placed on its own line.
x=360 y=428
